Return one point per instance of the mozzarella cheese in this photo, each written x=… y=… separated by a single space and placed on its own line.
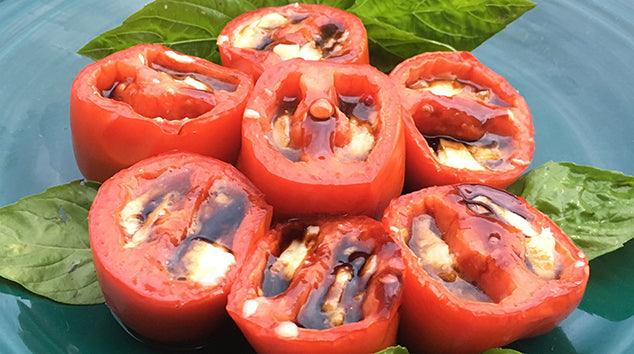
x=360 y=145
x=308 y=51
x=446 y=88
x=287 y=329
x=186 y=59
x=207 y=263
x=290 y=259
x=456 y=155
x=251 y=34
x=540 y=251
x=198 y=85
x=429 y=246
x=281 y=131
x=540 y=246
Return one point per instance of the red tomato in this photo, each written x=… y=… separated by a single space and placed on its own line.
x=483 y=268
x=257 y=40
x=167 y=235
x=324 y=138
x=148 y=99
x=320 y=286
x=465 y=123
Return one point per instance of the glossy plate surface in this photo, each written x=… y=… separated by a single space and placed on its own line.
x=572 y=60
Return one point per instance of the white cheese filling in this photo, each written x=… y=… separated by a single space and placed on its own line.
x=429 y=246
x=456 y=155
x=207 y=263
x=360 y=145
x=289 y=261
x=540 y=246
x=252 y=34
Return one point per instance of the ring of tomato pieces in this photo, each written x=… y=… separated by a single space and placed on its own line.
x=320 y=182
x=137 y=279
x=265 y=320
x=124 y=109
x=489 y=253
x=464 y=118
x=305 y=23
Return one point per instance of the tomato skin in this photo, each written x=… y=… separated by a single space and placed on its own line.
x=323 y=186
x=109 y=135
x=255 y=62
x=140 y=293
x=451 y=324
x=423 y=169
x=374 y=332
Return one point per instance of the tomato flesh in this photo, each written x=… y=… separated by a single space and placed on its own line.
x=148 y=99
x=465 y=122
x=167 y=236
x=483 y=268
x=320 y=285
x=257 y=40
x=321 y=137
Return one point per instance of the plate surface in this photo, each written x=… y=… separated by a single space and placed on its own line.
x=572 y=61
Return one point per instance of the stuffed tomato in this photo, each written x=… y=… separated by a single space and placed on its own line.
x=167 y=236
x=483 y=268
x=324 y=138
x=329 y=285
x=148 y=99
x=464 y=122
x=257 y=40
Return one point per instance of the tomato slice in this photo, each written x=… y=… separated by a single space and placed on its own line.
x=167 y=236
x=465 y=123
x=257 y=40
x=148 y=99
x=483 y=268
x=326 y=138
x=328 y=285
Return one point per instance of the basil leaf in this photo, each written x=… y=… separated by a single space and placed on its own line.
x=44 y=244
x=501 y=351
x=594 y=207
x=399 y=29
x=342 y=4
x=394 y=350
x=188 y=26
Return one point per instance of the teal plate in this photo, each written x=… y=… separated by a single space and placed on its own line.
x=572 y=60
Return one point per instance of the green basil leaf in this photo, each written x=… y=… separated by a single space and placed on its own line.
x=397 y=349
x=501 y=351
x=44 y=244
x=342 y=4
x=188 y=26
x=594 y=207
x=399 y=29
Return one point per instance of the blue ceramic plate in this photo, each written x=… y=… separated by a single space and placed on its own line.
x=572 y=60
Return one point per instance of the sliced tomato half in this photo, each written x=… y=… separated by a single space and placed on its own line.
x=149 y=99
x=483 y=268
x=324 y=138
x=320 y=286
x=465 y=123
x=167 y=235
x=257 y=40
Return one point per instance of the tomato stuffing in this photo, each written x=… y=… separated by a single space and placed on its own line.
x=465 y=123
x=167 y=236
x=320 y=285
x=324 y=138
x=148 y=99
x=483 y=268
x=257 y=40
